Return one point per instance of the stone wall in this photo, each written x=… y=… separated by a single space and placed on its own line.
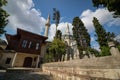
x=102 y=68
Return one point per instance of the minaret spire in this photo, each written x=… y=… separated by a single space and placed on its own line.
x=67 y=30
x=47 y=25
x=67 y=33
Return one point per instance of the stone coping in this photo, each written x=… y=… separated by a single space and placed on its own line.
x=108 y=62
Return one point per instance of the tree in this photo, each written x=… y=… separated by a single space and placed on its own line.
x=105 y=51
x=58 y=34
x=101 y=33
x=80 y=34
x=3 y=17
x=112 y=5
x=110 y=36
x=56 y=17
x=101 y=36
x=57 y=49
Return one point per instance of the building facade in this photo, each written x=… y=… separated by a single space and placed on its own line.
x=27 y=47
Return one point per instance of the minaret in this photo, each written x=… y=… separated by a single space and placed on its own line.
x=47 y=25
x=67 y=32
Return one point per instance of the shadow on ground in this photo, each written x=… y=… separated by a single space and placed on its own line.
x=27 y=76
x=2 y=72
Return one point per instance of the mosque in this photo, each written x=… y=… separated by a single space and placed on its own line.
x=72 y=51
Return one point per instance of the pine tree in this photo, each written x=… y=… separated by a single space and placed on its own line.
x=110 y=36
x=101 y=33
x=80 y=34
x=56 y=17
x=3 y=17
x=101 y=37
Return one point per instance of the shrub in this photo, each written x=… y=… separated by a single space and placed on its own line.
x=105 y=51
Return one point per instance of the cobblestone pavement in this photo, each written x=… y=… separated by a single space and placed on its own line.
x=34 y=76
x=2 y=72
x=24 y=76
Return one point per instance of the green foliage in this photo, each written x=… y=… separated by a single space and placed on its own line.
x=110 y=36
x=58 y=34
x=102 y=37
x=3 y=2
x=48 y=58
x=80 y=34
x=105 y=51
x=101 y=33
x=57 y=49
x=118 y=47
x=80 y=48
x=112 y=5
x=3 y=17
x=56 y=17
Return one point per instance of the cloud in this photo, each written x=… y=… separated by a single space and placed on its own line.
x=92 y=39
x=103 y=15
x=24 y=15
x=96 y=46
x=62 y=27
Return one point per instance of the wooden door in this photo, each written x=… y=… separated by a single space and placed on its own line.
x=27 y=62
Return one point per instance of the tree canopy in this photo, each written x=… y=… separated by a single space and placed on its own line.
x=56 y=17
x=80 y=34
x=102 y=37
x=112 y=5
x=58 y=34
x=3 y=17
x=101 y=33
x=57 y=49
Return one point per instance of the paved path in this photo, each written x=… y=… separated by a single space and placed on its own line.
x=2 y=72
x=24 y=76
x=35 y=76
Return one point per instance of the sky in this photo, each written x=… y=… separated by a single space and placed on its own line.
x=31 y=15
